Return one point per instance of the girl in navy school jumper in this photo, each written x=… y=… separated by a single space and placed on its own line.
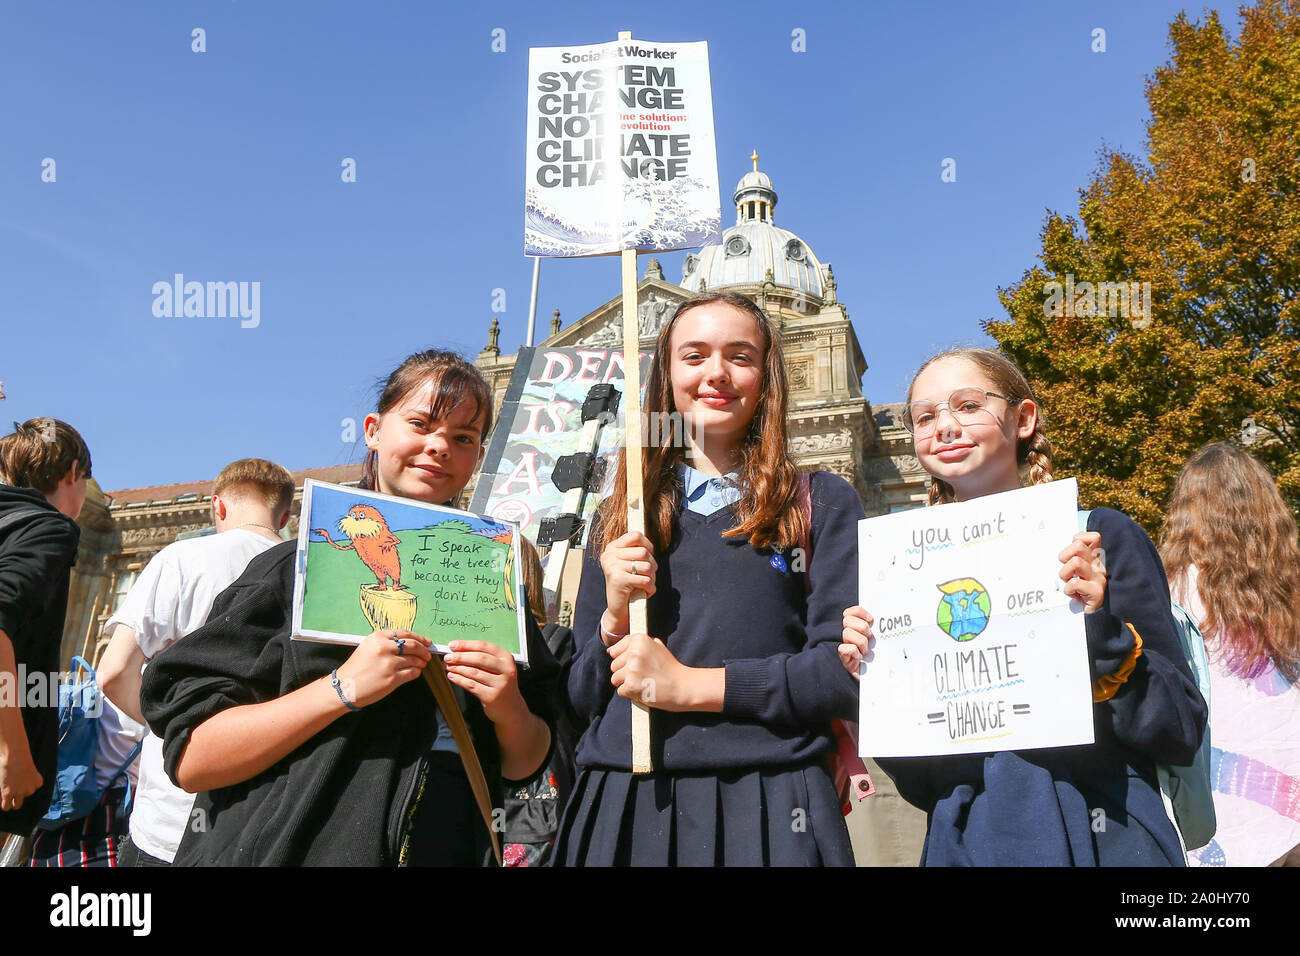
x=742 y=675
x=1092 y=805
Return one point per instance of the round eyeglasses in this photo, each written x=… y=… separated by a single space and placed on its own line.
x=964 y=403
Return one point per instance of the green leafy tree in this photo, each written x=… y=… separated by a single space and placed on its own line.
x=1210 y=218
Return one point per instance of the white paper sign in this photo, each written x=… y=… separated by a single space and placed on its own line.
x=977 y=646
x=621 y=152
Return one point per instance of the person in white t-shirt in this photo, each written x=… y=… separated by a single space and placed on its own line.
x=172 y=597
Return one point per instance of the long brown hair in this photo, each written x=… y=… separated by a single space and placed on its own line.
x=1033 y=454
x=454 y=381
x=1227 y=518
x=768 y=514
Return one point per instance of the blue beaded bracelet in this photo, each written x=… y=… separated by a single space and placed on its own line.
x=334 y=682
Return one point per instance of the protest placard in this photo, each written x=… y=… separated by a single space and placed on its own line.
x=621 y=151
x=977 y=646
x=369 y=561
x=621 y=157
x=539 y=422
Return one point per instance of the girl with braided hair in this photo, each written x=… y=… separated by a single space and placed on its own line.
x=978 y=431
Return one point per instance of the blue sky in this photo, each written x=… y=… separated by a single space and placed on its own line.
x=225 y=166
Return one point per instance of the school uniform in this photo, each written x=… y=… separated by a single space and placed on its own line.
x=749 y=785
x=1091 y=805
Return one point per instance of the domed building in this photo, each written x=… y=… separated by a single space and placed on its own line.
x=754 y=251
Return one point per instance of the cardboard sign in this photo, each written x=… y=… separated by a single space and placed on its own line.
x=369 y=562
x=539 y=423
x=977 y=646
x=621 y=150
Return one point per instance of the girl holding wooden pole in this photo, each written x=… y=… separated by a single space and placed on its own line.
x=740 y=667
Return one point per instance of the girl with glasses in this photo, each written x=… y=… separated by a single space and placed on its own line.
x=978 y=431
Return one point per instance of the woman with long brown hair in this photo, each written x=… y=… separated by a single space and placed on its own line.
x=1230 y=548
x=742 y=676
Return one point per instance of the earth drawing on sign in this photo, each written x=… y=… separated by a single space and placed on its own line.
x=964 y=609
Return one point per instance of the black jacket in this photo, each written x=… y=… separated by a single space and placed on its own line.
x=36 y=558
x=344 y=796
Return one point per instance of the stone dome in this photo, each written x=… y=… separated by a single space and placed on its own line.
x=755 y=246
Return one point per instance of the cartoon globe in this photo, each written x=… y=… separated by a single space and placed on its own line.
x=964 y=609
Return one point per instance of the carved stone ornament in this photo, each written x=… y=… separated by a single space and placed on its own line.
x=651 y=316
x=894 y=465
x=806 y=444
x=801 y=375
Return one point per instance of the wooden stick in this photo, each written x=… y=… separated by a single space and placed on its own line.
x=435 y=675
x=641 y=762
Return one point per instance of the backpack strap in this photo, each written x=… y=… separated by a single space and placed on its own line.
x=14 y=517
x=130 y=759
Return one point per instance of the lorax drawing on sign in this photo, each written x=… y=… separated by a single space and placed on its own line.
x=374 y=544
x=386 y=603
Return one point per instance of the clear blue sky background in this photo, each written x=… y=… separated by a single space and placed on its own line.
x=225 y=166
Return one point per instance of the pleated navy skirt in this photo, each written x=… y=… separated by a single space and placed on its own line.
x=771 y=817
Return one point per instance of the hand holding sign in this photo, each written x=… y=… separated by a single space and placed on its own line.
x=629 y=566
x=645 y=671
x=976 y=643
x=858 y=640
x=1084 y=573
x=489 y=673
x=380 y=665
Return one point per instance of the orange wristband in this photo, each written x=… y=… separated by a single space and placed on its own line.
x=1104 y=688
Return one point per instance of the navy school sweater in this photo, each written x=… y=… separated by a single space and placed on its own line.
x=720 y=602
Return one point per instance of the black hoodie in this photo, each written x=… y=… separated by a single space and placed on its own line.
x=36 y=558
x=346 y=796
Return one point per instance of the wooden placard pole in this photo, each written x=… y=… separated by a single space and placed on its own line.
x=635 y=483
x=635 y=478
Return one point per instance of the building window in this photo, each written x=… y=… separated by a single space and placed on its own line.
x=125 y=579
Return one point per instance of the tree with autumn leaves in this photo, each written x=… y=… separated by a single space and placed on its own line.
x=1211 y=220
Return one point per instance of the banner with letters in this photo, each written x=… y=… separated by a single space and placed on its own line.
x=621 y=151
x=539 y=422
